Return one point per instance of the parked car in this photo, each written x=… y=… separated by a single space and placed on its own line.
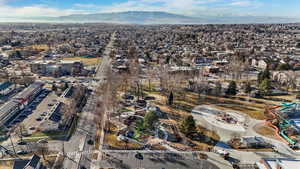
x=22 y=152
x=21 y=143
x=31 y=128
x=39 y=119
x=90 y=142
x=23 y=116
x=43 y=141
x=26 y=134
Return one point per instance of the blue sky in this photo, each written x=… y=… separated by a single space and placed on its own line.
x=11 y=8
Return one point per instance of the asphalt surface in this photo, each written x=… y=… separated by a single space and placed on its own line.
x=132 y=160
x=86 y=127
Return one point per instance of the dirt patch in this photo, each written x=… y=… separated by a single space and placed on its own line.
x=266 y=131
x=6 y=164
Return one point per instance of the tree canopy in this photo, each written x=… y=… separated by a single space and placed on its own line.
x=150 y=119
x=188 y=125
x=265 y=86
x=263 y=75
x=170 y=99
x=231 y=90
x=284 y=66
x=248 y=88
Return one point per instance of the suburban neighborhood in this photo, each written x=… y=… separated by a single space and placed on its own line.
x=91 y=96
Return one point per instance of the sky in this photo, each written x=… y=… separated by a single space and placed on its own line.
x=37 y=8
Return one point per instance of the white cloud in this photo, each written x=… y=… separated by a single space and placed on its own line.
x=240 y=3
x=34 y=10
x=244 y=3
x=186 y=7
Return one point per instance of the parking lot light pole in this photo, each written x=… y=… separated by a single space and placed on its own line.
x=12 y=144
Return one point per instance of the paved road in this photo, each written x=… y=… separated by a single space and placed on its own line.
x=150 y=160
x=86 y=128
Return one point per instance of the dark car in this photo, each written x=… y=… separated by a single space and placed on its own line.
x=22 y=152
x=17 y=121
x=149 y=98
x=23 y=116
x=26 y=134
x=90 y=142
x=128 y=97
x=139 y=156
x=39 y=119
x=21 y=143
x=141 y=103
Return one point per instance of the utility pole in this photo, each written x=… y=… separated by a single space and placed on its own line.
x=12 y=144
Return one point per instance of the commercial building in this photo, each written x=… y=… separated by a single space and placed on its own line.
x=8 y=110
x=13 y=106
x=57 y=68
x=6 y=88
x=28 y=94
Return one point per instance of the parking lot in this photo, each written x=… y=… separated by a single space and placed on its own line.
x=39 y=112
x=33 y=114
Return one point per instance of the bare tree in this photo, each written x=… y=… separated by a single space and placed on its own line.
x=236 y=68
x=43 y=149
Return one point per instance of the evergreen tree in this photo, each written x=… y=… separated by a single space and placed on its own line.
x=66 y=85
x=284 y=66
x=265 y=86
x=248 y=88
x=170 y=99
x=54 y=88
x=188 y=125
x=231 y=90
x=150 y=119
x=298 y=95
x=263 y=75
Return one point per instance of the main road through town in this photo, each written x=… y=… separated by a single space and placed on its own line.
x=86 y=128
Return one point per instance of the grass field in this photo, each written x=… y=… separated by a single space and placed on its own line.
x=111 y=140
x=41 y=47
x=6 y=164
x=266 y=131
x=85 y=61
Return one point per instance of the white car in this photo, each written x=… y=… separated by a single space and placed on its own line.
x=222 y=152
x=121 y=138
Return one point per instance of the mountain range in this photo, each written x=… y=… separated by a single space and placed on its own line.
x=154 y=17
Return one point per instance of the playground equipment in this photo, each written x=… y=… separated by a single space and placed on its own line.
x=282 y=113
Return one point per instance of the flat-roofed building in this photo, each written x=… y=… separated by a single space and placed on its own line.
x=8 y=110
x=28 y=94
x=57 y=68
x=6 y=88
x=278 y=163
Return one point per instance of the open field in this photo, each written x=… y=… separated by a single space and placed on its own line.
x=6 y=164
x=41 y=47
x=85 y=61
x=266 y=131
x=254 y=108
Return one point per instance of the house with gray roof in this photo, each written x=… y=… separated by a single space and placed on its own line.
x=33 y=163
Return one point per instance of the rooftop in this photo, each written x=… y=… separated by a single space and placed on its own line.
x=275 y=163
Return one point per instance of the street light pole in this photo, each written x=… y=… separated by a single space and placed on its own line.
x=12 y=144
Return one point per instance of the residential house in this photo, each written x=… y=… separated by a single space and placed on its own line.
x=33 y=163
